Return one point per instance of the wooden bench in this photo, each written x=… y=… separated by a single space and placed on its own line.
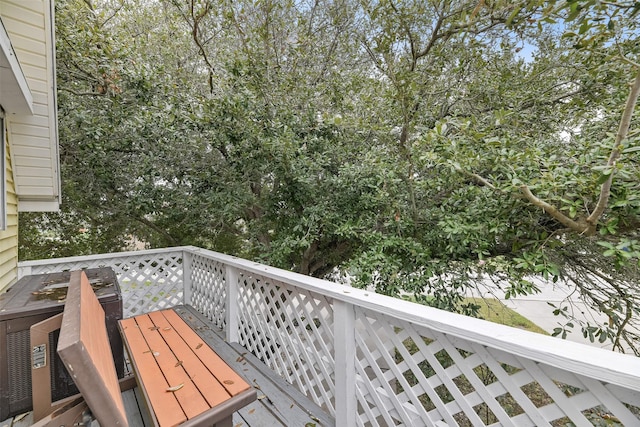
x=183 y=381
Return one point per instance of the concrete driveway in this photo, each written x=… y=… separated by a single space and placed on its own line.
x=536 y=308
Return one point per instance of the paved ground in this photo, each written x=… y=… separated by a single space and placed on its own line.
x=536 y=308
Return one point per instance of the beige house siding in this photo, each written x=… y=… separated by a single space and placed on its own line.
x=9 y=236
x=34 y=137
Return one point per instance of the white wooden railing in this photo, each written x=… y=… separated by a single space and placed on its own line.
x=372 y=360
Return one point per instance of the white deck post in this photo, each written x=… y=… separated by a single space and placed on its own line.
x=231 y=309
x=24 y=271
x=187 y=259
x=345 y=354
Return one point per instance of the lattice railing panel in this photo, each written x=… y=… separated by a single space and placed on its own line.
x=408 y=375
x=290 y=330
x=208 y=288
x=148 y=281
x=151 y=283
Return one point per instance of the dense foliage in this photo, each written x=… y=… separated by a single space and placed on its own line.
x=420 y=148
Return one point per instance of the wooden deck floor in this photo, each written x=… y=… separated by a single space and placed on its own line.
x=278 y=404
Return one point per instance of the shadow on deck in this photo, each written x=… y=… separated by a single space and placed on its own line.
x=278 y=404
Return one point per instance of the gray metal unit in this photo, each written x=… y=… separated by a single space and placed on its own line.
x=31 y=300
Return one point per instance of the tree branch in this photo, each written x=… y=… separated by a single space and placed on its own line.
x=435 y=35
x=553 y=211
x=81 y=93
x=407 y=30
x=168 y=237
x=90 y=5
x=623 y=131
x=479 y=179
x=195 y=26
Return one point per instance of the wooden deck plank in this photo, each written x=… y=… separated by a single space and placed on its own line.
x=258 y=415
x=280 y=397
x=132 y=409
x=280 y=403
x=144 y=411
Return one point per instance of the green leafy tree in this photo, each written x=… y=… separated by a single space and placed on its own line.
x=418 y=148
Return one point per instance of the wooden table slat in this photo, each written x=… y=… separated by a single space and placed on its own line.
x=208 y=385
x=150 y=376
x=229 y=379
x=188 y=395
